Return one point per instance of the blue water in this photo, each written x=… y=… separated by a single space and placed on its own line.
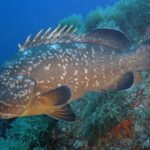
x=18 y=18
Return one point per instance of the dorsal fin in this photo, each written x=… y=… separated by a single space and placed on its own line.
x=48 y=37
x=111 y=38
x=114 y=39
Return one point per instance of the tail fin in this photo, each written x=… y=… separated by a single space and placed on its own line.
x=146 y=42
x=142 y=54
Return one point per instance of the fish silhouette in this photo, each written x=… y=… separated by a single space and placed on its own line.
x=58 y=66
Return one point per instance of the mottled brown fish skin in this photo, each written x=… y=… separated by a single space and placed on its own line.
x=81 y=67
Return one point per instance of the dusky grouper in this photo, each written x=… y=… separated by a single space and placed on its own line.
x=57 y=67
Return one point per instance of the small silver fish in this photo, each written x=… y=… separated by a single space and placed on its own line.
x=57 y=67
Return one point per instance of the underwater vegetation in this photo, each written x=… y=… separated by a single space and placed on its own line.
x=132 y=17
x=75 y=20
x=107 y=120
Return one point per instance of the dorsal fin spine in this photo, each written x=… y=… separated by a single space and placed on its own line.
x=62 y=30
x=69 y=29
x=20 y=47
x=46 y=33
x=75 y=30
x=37 y=36
x=55 y=31
x=47 y=36
x=27 y=41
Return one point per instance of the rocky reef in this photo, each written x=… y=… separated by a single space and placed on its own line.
x=105 y=121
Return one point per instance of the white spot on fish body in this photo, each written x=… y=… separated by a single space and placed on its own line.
x=71 y=59
x=47 y=67
x=61 y=77
x=46 y=87
x=59 y=65
x=62 y=60
x=55 y=46
x=17 y=66
x=6 y=103
x=112 y=73
x=74 y=56
x=26 y=53
x=102 y=49
x=30 y=69
x=76 y=72
x=97 y=83
x=31 y=62
x=120 y=65
x=111 y=65
x=80 y=46
x=85 y=56
x=86 y=62
x=12 y=85
x=69 y=51
x=20 y=77
x=76 y=64
x=40 y=82
x=59 y=85
x=120 y=60
x=95 y=76
x=64 y=67
x=85 y=70
x=66 y=60
x=64 y=73
x=76 y=79
x=87 y=81
x=77 y=59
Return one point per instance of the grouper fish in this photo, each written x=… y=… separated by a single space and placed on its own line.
x=56 y=67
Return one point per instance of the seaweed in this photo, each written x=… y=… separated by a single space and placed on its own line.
x=11 y=144
x=32 y=131
x=76 y=21
x=132 y=17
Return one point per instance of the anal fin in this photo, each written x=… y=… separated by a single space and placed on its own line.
x=64 y=113
x=122 y=82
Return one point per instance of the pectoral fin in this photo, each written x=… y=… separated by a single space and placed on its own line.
x=55 y=101
x=123 y=82
x=58 y=96
x=64 y=113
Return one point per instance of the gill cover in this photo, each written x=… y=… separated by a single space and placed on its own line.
x=15 y=95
